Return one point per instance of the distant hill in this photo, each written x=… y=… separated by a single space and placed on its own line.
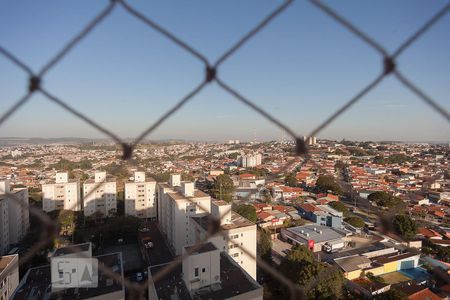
x=17 y=141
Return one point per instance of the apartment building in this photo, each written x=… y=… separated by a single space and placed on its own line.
x=140 y=197
x=62 y=194
x=241 y=233
x=100 y=195
x=177 y=202
x=14 y=215
x=37 y=282
x=206 y=273
x=250 y=161
x=9 y=275
x=311 y=140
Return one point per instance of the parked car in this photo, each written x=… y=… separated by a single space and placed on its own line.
x=139 y=276
x=144 y=229
x=148 y=245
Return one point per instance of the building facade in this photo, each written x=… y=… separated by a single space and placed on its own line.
x=240 y=232
x=250 y=161
x=100 y=195
x=9 y=275
x=177 y=202
x=140 y=197
x=321 y=215
x=14 y=215
x=62 y=194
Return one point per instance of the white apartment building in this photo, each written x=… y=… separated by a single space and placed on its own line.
x=9 y=275
x=177 y=202
x=140 y=197
x=312 y=140
x=100 y=195
x=206 y=273
x=241 y=233
x=250 y=161
x=14 y=215
x=62 y=194
x=184 y=217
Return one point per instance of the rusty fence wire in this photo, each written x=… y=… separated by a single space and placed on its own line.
x=35 y=85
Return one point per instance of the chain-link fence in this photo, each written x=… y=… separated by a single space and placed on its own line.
x=35 y=86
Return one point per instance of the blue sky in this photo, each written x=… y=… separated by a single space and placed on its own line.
x=301 y=68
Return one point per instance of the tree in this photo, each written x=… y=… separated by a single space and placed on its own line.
x=405 y=226
x=355 y=221
x=384 y=199
x=266 y=196
x=293 y=223
x=300 y=266
x=290 y=180
x=85 y=164
x=233 y=155
x=339 y=152
x=327 y=183
x=379 y=159
x=265 y=245
x=339 y=206
x=247 y=211
x=223 y=187
x=374 y=278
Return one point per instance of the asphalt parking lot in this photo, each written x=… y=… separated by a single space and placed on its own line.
x=160 y=253
x=131 y=257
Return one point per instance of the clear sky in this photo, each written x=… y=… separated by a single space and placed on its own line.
x=301 y=68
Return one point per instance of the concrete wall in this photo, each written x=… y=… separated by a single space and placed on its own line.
x=207 y=265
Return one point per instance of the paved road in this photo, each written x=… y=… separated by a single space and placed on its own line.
x=351 y=197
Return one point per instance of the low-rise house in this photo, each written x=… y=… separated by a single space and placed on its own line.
x=419 y=292
x=367 y=288
x=313 y=236
x=429 y=233
x=377 y=262
x=321 y=214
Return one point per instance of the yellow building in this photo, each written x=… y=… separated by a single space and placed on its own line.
x=356 y=265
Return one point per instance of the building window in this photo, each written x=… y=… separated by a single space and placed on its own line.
x=196 y=272
x=203 y=270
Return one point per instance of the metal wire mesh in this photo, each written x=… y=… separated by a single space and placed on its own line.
x=211 y=75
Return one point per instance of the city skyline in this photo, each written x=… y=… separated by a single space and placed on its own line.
x=80 y=140
x=126 y=81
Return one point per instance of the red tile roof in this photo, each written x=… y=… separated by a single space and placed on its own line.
x=309 y=207
x=424 y=294
x=264 y=215
x=428 y=233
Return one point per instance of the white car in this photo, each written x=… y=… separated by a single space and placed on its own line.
x=149 y=245
x=139 y=276
x=144 y=230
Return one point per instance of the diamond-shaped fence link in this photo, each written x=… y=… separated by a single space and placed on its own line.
x=35 y=85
